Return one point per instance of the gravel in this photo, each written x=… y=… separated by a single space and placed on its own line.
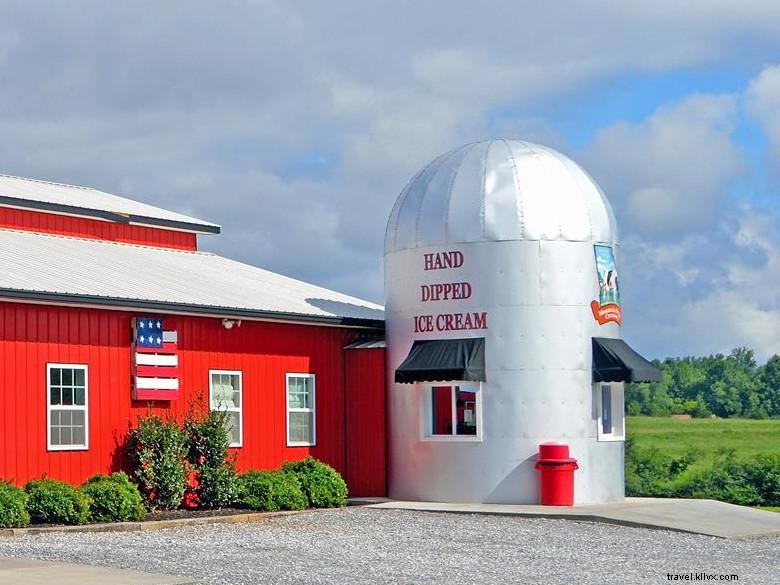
x=361 y=545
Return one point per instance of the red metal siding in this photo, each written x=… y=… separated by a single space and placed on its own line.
x=65 y=225
x=366 y=422
x=32 y=336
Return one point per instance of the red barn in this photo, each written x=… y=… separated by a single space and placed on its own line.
x=109 y=311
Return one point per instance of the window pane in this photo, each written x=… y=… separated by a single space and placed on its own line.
x=78 y=396
x=78 y=377
x=233 y=424
x=67 y=376
x=66 y=436
x=606 y=410
x=78 y=436
x=55 y=435
x=54 y=396
x=67 y=395
x=54 y=376
x=66 y=417
x=77 y=419
x=301 y=427
x=466 y=409
x=441 y=410
x=55 y=418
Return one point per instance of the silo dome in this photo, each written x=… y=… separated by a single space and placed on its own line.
x=498 y=190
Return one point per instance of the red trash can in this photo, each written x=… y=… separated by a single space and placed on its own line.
x=556 y=477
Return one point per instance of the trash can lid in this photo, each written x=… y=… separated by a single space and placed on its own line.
x=553 y=451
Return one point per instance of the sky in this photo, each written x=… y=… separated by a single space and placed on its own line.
x=295 y=125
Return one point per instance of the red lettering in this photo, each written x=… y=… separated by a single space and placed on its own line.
x=480 y=320
x=457 y=259
x=425 y=293
x=441 y=260
x=459 y=321
x=466 y=294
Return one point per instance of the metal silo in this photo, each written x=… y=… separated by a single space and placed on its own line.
x=500 y=271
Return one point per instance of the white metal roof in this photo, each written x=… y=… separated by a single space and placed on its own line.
x=49 y=267
x=499 y=190
x=87 y=201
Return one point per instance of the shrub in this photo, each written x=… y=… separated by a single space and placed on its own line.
x=157 y=450
x=13 y=506
x=207 y=452
x=114 y=498
x=321 y=484
x=56 y=502
x=270 y=491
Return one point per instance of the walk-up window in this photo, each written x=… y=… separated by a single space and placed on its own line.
x=449 y=373
x=452 y=411
x=614 y=362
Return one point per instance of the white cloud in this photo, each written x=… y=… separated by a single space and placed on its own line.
x=670 y=172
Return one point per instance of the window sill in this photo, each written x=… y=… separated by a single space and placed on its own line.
x=451 y=439
x=301 y=444
x=68 y=448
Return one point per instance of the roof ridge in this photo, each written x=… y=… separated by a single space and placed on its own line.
x=48 y=182
x=102 y=241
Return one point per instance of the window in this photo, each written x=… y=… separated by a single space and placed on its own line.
x=301 y=420
x=611 y=422
x=66 y=413
x=452 y=412
x=225 y=394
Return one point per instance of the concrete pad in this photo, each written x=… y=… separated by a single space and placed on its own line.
x=708 y=517
x=18 y=571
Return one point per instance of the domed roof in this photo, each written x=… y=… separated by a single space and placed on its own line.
x=499 y=190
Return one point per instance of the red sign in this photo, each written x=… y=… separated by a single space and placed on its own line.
x=606 y=313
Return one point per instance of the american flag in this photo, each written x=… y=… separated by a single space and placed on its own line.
x=155 y=368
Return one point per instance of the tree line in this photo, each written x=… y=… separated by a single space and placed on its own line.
x=732 y=385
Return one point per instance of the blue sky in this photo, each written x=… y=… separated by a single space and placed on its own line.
x=296 y=124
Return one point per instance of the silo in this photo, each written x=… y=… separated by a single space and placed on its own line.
x=502 y=290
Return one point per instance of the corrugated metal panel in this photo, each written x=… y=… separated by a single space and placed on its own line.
x=64 y=225
x=70 y=266
x=367 y=344
x=32 y=336
x=366 y=422
x=87 y=198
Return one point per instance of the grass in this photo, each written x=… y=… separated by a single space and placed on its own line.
x=770 y=508
x=675 y=436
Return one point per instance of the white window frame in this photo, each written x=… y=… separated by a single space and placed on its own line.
x=617 y=411
x=426 y=408
x=52 y=407
x=312 y=410
x=239 y=409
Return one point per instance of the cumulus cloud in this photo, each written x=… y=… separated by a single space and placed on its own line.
x=670 y=173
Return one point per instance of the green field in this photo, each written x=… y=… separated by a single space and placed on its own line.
x=674 y=436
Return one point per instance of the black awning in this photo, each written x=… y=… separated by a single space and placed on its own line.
x=615 y=361
x=437 y=360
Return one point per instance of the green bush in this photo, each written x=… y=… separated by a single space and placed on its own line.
x=157 y=449
x=270 y=491
x=207 y=452
x=114 y=498
x=13 y=506
x=321 y=484
x=752 y=481
x=56 y=502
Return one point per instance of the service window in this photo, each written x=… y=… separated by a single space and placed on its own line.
x=452 y=411
x=611 y=420
x=225 y=394
x=301 y=410
x=67 y=418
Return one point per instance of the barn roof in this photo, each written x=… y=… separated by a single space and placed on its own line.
x=57 y=269
x=89 y=202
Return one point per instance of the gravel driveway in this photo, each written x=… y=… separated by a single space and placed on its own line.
x=360 y=545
